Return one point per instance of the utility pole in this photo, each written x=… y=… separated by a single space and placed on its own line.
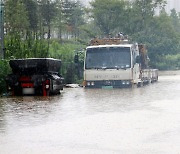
x=2 y=51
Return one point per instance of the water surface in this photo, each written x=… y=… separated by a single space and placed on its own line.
x=140 y=121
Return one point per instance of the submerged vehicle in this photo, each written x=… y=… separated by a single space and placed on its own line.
x=35 y=76
x=116 y=63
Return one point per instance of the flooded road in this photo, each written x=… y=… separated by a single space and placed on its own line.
x=94 y=121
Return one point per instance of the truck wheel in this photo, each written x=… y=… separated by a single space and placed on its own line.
x=140 y=84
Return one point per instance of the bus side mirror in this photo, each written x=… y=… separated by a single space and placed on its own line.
x=138 y=59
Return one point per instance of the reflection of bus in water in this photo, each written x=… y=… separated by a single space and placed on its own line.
x=35 y=76
x=116 y=63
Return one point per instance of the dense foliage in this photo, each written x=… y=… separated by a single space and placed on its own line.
x=143 y=23
x=58 y=28
x=4 y=70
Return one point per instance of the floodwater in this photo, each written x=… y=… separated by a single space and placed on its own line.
x=94 y=121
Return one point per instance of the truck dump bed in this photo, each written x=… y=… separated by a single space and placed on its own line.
x=35 y=65
x=35 y=76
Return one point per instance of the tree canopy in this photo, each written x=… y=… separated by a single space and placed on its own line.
x=32 y=25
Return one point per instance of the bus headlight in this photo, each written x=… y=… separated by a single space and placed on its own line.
x=88 y=83
x=92 y=83
x=123 y=82
x=127 y=82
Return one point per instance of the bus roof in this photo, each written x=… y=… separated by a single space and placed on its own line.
x=112 y=45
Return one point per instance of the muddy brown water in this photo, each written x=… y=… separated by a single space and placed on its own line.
x=94 y=121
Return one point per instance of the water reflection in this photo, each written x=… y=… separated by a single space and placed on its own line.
x=19 y=111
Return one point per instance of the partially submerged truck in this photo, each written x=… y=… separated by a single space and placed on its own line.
x=35 y=76
x=116 y=63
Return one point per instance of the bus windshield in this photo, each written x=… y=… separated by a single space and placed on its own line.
x=108 y=58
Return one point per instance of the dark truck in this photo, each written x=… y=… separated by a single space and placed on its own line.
x=35 y=76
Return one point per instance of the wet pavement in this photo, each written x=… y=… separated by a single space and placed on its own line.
x=142 y=120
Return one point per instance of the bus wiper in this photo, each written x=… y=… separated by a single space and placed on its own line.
x=117 y=67
x=104 y=67
x=94 y=68
x=122 y=67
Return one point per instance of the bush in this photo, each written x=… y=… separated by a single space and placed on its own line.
x=4 y=70
x=169 y=62
x=18 y=48
x=66 y=53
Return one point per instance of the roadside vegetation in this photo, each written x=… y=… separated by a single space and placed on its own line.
x=5 y=69
x=62 y=28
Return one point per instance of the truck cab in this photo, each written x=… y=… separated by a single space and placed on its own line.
x=113 y=63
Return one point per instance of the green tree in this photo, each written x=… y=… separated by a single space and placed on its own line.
x=59 y=22
x=48 y=12
x=73 y=12
x=160 y=37
x=31 y=7
x=109 y=14
x=175 y=19
x=16 y=25
x=142 y=12
x=15 y=15
x=77 y=18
